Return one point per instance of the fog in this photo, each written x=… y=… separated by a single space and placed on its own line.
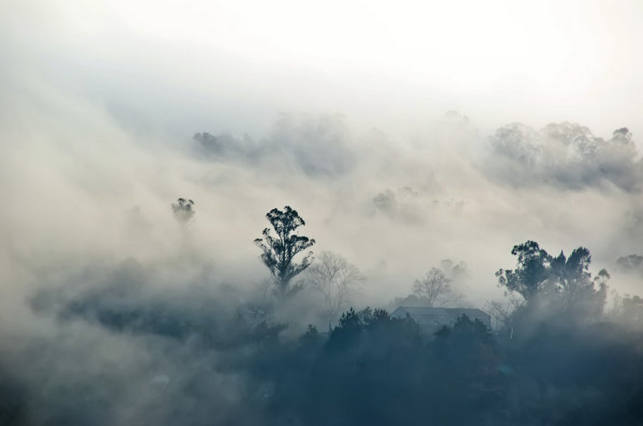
x=403 y=134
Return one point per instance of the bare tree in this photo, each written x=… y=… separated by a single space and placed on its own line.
x=434 y=289
x=502 y=312
x=183 y=210
x=280 y=250
x=334 y=277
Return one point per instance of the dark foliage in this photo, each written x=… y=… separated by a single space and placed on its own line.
x=279 y=251
x=375 y=369
x=13 y=407
x=370 y=368
x=563 y=283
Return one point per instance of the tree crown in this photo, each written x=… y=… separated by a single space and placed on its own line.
x=279 y=250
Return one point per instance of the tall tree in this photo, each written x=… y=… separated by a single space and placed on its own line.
x=533 y=268
x=539 y=274
x=280 y=249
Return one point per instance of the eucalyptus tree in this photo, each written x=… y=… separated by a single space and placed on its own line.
x=281 y=245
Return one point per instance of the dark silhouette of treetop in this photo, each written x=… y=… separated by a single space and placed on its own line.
x=567 y=277
x=183 y=209
x=280 y=250
x=532 y=269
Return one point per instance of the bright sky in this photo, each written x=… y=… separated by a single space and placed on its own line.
x=497 y=61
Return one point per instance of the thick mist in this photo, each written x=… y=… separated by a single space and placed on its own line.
x=406 y=147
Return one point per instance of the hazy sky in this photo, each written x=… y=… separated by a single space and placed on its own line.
x=234 y=64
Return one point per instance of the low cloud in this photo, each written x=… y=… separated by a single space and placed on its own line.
x=315 y=146
x=564 y=155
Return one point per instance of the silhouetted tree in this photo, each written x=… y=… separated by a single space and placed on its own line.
x=540 y=274
x=371 y=330
x=183 y=209
x=279 y=251
x=532 y=270
x=467 y=348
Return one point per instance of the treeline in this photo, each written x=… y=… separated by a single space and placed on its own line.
x=556 y=356
x=371 y=368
